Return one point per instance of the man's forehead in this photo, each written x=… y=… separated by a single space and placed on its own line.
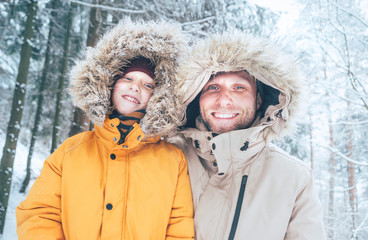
x=236 y=76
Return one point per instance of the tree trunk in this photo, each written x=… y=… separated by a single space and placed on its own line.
x=351 y=180
x=80 y=120
x=332 y=162
x=56 y=125
x=332 y=168
x=311 y=140
x=7 y=160
x=39 y=100
x=94 y=26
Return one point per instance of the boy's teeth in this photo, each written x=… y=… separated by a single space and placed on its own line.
x=131 y=99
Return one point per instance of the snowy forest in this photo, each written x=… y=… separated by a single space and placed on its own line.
x=41 y=40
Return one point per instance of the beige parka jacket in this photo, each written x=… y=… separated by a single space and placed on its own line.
x=243 y=186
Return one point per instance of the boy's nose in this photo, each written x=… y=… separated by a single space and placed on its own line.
x=134 y=87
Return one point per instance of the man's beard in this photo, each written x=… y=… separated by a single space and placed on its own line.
x=246 y=122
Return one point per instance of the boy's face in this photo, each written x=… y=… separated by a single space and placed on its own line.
x=132 y=92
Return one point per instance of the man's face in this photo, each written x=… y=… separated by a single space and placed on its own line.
x=228 y=101
x=132 y=92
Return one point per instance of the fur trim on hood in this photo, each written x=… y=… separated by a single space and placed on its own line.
x=91 y=79
x=282 y=83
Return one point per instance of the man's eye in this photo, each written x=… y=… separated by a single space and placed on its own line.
x=239 y=88
x=212 y=87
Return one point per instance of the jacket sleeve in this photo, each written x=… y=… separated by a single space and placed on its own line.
x=39 y=215
x=181 y=224
x=306 y=222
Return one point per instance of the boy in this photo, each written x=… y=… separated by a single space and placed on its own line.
x=120 y=181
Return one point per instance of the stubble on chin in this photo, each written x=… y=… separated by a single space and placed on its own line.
x=223 y=129
x=218 y=128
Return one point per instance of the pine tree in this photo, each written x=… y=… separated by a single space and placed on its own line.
x=80 y=121
x=60 y=90
x=40 y=98
x=14 y=125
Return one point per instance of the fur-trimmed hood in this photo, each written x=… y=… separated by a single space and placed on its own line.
x=91 y=79
x=236 y=51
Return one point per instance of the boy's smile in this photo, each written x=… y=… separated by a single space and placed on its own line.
x=131 y=99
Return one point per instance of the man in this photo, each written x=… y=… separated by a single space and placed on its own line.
x=240 y=93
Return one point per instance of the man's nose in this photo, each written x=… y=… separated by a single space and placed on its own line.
x=224 y=99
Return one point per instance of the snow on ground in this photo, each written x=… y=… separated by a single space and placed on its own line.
x=20 y=163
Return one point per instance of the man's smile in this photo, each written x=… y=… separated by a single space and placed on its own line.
x=224 y=115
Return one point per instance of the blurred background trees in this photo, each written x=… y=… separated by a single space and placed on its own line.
x=328 y=38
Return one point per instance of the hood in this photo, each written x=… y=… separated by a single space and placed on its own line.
x=280 y=82
x=92 y=78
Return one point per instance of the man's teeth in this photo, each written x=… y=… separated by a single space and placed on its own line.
x=224 y=115
x=131 y=99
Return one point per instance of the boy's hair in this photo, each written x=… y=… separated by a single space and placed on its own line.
x=141 y=64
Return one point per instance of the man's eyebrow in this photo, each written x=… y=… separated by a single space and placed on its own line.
x=209 y=81
x=244 y=80
x=211 y=78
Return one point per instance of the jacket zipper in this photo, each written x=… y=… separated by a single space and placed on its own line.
x=238 y=207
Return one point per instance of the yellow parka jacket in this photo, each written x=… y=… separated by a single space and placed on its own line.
x=91 y=187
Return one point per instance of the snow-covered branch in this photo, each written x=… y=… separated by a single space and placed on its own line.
x=361 y=225
x=342 y=155
x=343 y=53
x=341 y=97
x=327 y=52
x=350 y=13
x=197 y=31
x=349 y=123
x=107 y=7
x=198 y=21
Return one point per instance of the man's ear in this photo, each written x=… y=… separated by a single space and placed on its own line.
x=259 y=101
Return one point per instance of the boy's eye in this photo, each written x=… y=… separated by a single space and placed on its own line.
x=128 y=78
x=149 y=85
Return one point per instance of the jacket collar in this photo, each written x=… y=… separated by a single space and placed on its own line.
x=235 y=148
x=110 y=134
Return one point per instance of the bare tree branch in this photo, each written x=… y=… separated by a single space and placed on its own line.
x=199 y=21
x=349 y=71
x=349 y=123
x=342 y=155
x=107 y=7
x=345 y=57
x=361 y=225
x=350 y=13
